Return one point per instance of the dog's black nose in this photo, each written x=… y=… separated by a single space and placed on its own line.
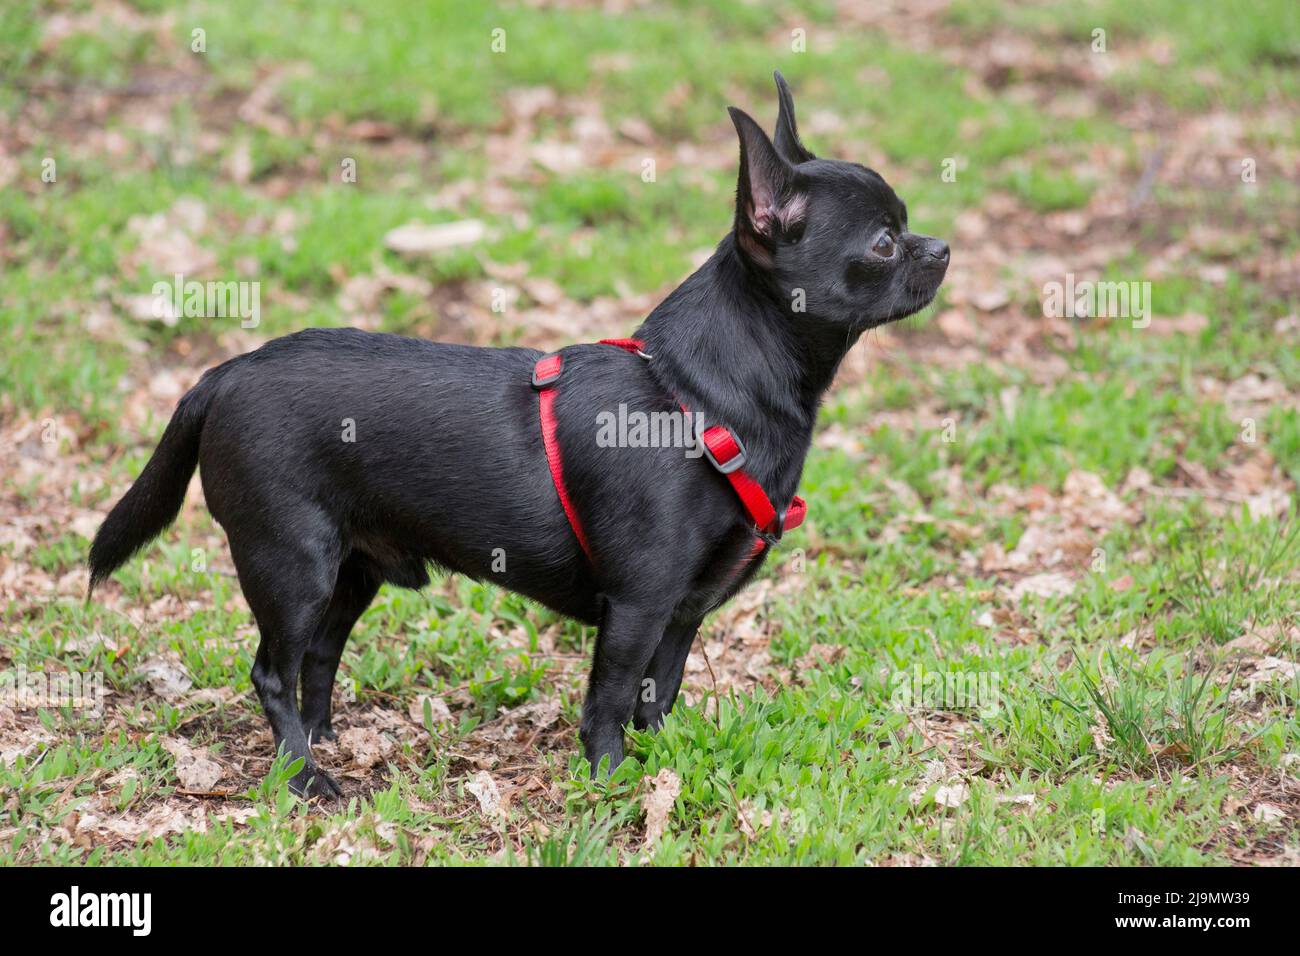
x=936 y=249
x=927 y=252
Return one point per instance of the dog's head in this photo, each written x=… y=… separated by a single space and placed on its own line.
x=831 y=236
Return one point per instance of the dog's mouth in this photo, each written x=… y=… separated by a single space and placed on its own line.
x=918 y=289
x=910 y=302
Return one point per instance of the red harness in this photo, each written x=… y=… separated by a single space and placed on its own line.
x=722 y=447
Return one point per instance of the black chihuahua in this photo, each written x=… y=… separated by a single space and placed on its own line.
x=337 y=460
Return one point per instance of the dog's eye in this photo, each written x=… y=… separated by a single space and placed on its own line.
x=884 y=246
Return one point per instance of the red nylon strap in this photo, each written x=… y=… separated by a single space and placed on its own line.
x=795 y=514
x=545 y=375
x=627 y=345
x=723 y=448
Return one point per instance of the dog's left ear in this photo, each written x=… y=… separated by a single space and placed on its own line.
x=787 y=133
x=768 y=206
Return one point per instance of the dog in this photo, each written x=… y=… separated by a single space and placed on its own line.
x=446 y=464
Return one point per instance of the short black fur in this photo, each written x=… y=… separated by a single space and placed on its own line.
x=448 y=465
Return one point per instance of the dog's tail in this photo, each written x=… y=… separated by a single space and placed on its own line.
x=153 y=502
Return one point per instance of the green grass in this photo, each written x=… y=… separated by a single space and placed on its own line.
x=1126 y=719
x=1217 y=57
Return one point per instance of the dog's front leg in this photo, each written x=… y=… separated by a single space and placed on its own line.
x=663 y=675
x=628 y=637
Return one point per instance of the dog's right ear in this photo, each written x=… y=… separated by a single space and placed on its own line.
x=767 y=205
x=787 y=132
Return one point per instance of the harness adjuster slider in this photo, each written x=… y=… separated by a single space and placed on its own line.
x=547 y=370
x=735 y=462
x=773 y=533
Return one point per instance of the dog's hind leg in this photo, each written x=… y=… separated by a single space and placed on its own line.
x=627 y=640
x=663 y=677
x=358 y=581
x=289 y=585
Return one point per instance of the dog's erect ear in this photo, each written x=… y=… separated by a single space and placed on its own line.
x=766 y=204
x=787 y=132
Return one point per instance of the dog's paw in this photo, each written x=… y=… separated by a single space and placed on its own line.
x=608 y=754
x=650 y=717
x=314 y=782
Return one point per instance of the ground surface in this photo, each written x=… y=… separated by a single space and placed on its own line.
x=1094 y=519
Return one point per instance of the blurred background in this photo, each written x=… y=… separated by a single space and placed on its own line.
x=993 y=488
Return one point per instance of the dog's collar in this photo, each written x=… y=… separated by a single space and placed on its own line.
x=722 y=447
